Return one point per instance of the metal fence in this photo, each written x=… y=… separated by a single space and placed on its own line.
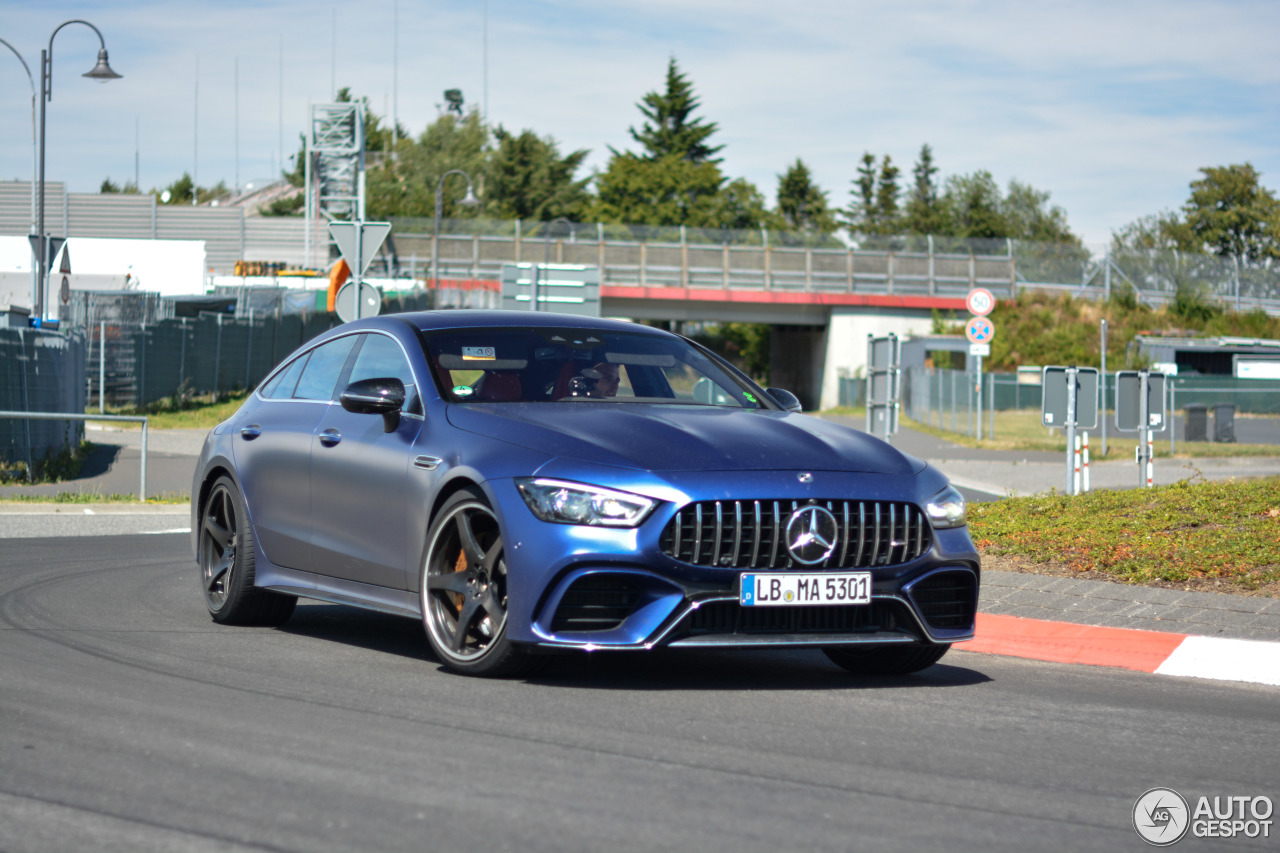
x=949 y=399
x=135 y=364
x=672 y=256
x=40 y=371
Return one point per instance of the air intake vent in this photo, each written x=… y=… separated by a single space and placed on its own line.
x=752 y=534
x=947 y=599
x=729 y=617
x=595 y=603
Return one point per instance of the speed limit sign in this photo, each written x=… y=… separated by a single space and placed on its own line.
x=980 y=302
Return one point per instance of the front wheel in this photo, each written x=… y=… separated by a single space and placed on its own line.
x=227 y=564
x=464 y=591
x=886 y=659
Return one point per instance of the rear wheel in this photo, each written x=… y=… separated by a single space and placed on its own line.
x=227 y=564
x=464 y=591
x=886 y=659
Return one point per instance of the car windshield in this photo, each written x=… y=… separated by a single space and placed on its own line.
x=504 y=365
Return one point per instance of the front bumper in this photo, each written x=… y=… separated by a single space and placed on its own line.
x=594 y=588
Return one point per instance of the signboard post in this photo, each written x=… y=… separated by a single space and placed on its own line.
x=1140 y=397
x=358 y=242
x=884 y=357
x=1071 y=402
x=979 y=331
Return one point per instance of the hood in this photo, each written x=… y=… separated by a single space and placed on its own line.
x=654 y=437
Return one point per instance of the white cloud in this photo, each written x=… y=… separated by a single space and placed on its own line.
x=1112 y=107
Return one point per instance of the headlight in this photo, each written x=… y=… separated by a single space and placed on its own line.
x=947 y=508
x=577 y=503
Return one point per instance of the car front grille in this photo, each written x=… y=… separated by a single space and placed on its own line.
x=752 y=534
x=947 y=599
x=729 y=617
x=595 y=603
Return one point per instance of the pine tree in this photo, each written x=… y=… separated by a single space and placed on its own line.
x=802 y=205
x=668 y=128
x=925 y=213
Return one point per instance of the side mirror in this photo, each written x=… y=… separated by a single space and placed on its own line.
x=376 y=397
x=785 y=399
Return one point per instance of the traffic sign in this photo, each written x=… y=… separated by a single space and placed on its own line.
x=1055 y=383
x=980 y=349
x=359 y=242
x=345 y=303
x=1129 y=401
x=980 y=330
x=980 y=302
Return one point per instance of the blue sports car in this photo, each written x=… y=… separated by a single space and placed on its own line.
x=528 y=482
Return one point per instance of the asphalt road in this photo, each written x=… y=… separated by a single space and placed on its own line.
x=129 y=721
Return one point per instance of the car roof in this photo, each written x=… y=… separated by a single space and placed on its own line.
x=473 y=318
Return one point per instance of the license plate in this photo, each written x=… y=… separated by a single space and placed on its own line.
x=795 y=589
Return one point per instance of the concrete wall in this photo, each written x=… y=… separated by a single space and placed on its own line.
x=845 y=344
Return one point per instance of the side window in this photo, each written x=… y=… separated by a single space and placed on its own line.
x=320 y=376
x=381 y=357
x=282 y=384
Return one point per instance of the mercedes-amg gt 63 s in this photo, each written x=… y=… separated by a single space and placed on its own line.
x=527 y=483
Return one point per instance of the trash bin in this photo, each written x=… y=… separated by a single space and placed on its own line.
x=1224 y=422
x=1197 y=428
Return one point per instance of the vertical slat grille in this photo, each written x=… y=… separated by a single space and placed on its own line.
x=752 y=534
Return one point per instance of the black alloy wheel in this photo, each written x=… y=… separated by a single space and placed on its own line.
x=464 y=591
x=227 y=564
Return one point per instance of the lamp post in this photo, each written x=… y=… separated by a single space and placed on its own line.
x=546 y=258
x=35 y=271
x=469 y=200
x=101 y=72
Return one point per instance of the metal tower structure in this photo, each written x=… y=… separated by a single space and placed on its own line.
x=334 y=165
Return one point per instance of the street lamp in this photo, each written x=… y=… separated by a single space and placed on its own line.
x=35 y=272
x=469 y=200
x=101 y=72
x=546 y=258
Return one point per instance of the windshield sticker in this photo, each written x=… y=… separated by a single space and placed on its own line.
x=463 y=390
x=479 y=354
x=751 y=398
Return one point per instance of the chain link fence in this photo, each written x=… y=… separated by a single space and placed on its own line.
x=949 y=399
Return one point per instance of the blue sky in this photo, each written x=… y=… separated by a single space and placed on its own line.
x=1110 y=106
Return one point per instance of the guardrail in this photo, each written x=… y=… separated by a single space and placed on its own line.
x=71 y=416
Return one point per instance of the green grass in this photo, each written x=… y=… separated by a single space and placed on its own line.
x=92 y=498
x=53 y=468
x=1187 y=532
x=188 y=413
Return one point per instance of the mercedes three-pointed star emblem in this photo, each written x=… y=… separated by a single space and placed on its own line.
x=812 y=533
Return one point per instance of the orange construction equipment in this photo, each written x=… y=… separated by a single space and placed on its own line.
x=339 y=274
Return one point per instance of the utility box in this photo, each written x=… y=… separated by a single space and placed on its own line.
x=1224 y=422
x=1197 y=422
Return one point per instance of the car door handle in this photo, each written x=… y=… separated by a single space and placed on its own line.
x=251 y=432
x=330 y=437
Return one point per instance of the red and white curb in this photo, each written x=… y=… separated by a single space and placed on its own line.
x=1217 y=658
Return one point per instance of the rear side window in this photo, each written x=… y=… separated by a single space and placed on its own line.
x=282 y=384
x=320 y=375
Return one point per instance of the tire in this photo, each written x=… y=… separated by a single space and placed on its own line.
x=886 y=659
x=227 y=564
x=464 y=592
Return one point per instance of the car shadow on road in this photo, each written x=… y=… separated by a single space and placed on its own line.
x=659 y=669
x=747 y=669
x=366 y=629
